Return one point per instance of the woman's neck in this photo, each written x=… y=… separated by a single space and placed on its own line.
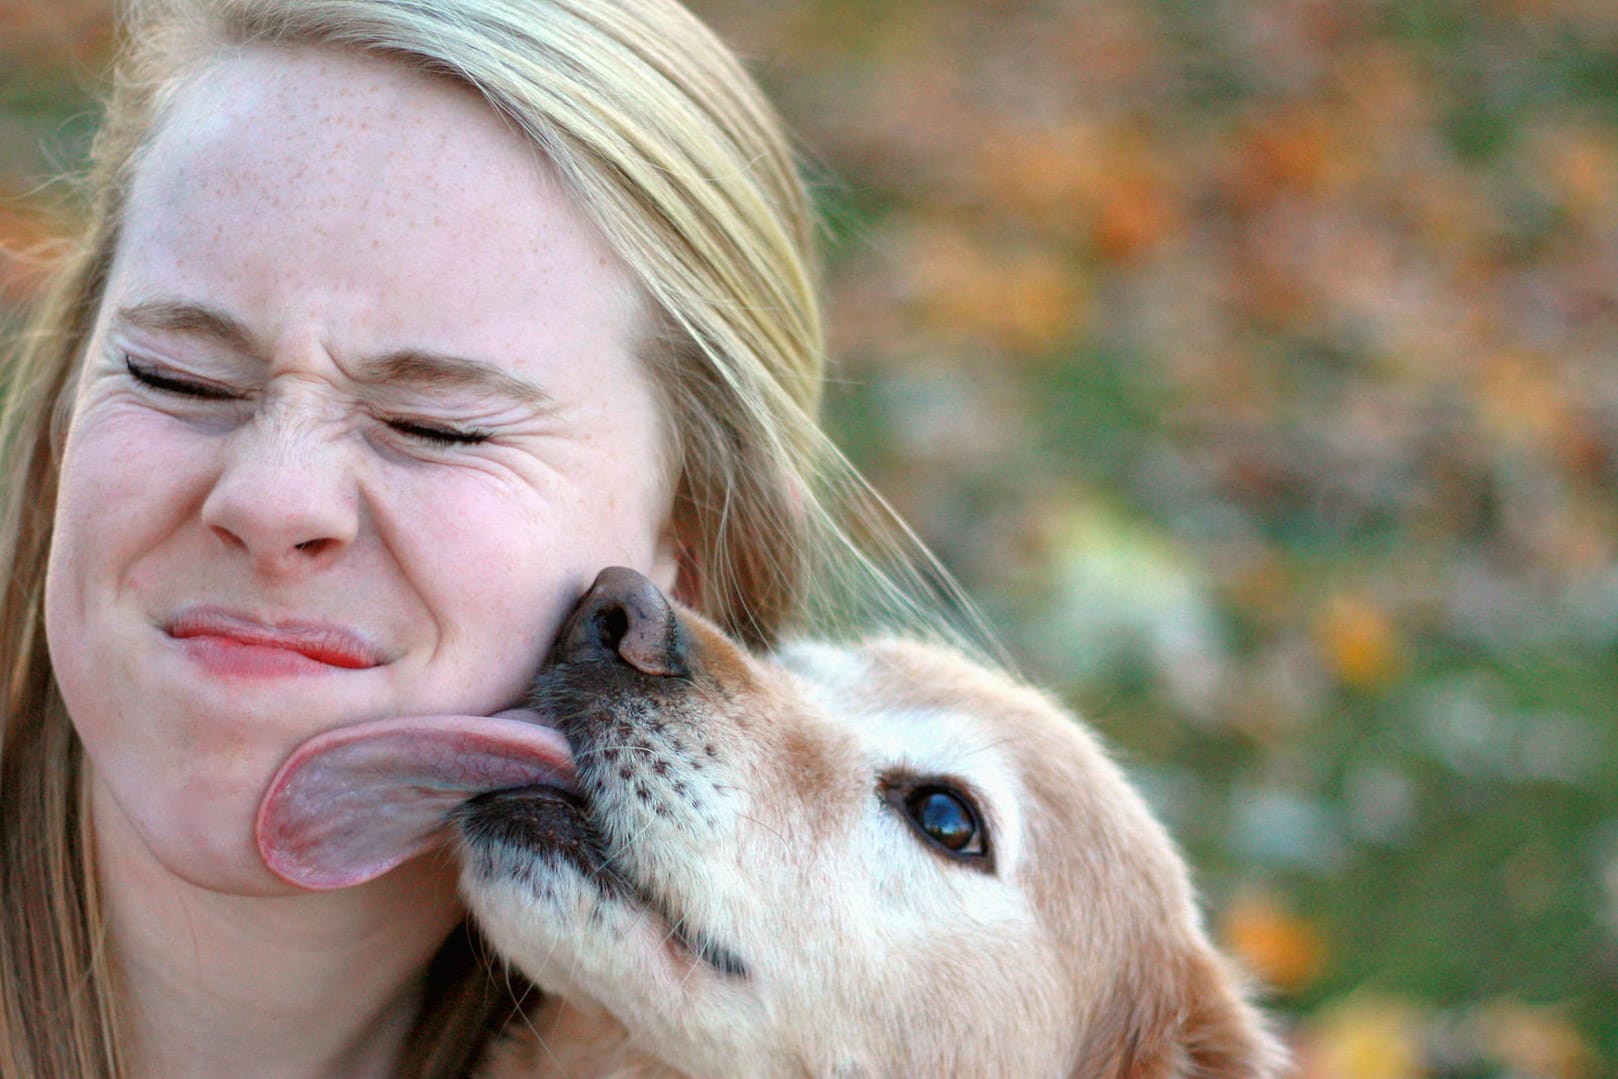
x=305 y=986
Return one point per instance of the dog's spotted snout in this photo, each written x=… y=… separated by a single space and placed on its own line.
x=625 y=618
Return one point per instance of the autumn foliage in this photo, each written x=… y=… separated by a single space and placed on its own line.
x=1256 y=366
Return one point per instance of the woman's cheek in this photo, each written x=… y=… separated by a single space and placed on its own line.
x=127 y=482
x=496 y=570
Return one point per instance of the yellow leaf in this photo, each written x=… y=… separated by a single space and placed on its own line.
x=1365 y=1038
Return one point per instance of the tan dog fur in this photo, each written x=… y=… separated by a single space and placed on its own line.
x=763 y=830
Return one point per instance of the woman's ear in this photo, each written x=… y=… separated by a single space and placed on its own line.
x=1187 y=1019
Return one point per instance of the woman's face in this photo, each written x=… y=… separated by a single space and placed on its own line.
x=359 y=421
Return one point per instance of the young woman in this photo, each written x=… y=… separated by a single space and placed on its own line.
x=391 y=324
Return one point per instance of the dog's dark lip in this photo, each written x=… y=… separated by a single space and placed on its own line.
x=545 y=819
x=538 y=821
x=568 y=804
x=538 y=818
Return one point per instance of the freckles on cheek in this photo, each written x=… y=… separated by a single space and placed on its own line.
x=114 y=455
x=473 y=551
x=129 y=482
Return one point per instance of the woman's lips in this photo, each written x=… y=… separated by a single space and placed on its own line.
x=236 y=644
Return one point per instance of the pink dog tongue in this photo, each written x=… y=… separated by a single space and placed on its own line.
x=353 y=803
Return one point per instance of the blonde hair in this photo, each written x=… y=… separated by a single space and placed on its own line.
x=666 y=143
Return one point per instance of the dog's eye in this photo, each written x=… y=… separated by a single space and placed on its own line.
x=947 y=819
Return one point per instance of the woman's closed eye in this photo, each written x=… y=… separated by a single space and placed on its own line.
x=427 y=432
x=164 y=382
x=439 y=434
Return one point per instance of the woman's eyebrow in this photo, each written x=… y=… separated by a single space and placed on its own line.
x=194 y=319
x=421 y=367
x=437 y=370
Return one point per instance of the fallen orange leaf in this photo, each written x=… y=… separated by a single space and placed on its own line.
x=1284 y=949
x=1360 y=643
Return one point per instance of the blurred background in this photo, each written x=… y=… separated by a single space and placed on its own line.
x=1255 y=366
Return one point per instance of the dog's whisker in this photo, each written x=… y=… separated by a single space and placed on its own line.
x=544 y=1040
x=987 y=746
x=686 y=977
x=615 y=854
x=675 y=935
x=614 y=747
x=625 y=843
x=786 y=844
x=518 y=989
x=671 y=930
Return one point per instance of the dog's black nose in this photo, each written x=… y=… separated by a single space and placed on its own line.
x=625 y=618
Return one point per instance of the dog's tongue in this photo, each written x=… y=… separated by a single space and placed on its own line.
x=353 y=803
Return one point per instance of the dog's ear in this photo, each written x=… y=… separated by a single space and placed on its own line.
x=1186 y=1018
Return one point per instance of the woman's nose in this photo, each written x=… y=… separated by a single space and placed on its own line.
x=286 y=498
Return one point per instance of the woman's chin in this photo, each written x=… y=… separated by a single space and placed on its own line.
x=198 y=839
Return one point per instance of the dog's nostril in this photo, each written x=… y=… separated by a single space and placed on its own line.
x=611 y=625
x=625 y=618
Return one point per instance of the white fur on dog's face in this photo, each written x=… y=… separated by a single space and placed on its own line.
x=758 y=901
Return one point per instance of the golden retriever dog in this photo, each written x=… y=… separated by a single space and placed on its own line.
x=881 y=861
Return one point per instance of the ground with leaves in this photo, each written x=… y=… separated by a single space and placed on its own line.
x=1254 y=365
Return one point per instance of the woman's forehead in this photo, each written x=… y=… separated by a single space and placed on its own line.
x=392 y=206
x=286 y=126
